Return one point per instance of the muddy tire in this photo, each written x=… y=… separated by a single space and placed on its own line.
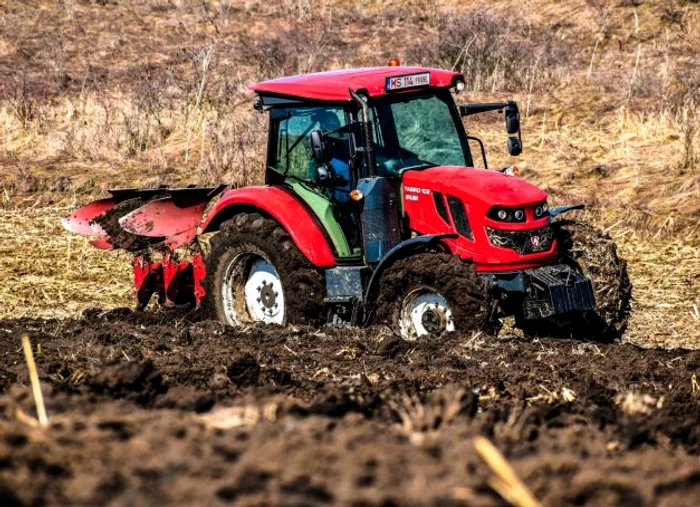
x=592 y=252
x=431 y=294
x=255 y=273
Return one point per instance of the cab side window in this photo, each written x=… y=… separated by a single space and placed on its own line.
x=293 y=147
x=293 y=126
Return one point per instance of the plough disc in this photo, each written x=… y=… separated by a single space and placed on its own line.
x=161 y=219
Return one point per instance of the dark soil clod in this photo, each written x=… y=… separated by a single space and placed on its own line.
x=341 y=416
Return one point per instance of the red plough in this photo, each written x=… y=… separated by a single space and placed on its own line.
x=151 y=220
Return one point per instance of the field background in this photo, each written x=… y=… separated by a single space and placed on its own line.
x=100 y=94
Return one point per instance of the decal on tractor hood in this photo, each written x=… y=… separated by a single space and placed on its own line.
x=413 y=193
x=407 y=81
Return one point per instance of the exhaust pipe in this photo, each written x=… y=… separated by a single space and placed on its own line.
x=368 y=149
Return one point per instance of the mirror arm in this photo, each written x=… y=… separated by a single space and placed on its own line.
x=326 y=176
x=470 y=109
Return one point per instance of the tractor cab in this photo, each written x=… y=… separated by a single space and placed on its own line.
x=342 y=141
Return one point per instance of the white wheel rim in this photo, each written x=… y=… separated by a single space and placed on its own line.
x=252 y=291
x=424 y=312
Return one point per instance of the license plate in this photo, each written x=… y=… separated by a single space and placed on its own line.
x=407 y=81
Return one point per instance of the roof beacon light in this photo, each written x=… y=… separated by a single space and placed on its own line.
x=393 y=62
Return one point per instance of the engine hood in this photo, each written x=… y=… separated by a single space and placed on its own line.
x=476 y=185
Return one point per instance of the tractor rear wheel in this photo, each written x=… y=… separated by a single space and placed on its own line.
x=432 y=294
x=593 y=252
x=255 y=273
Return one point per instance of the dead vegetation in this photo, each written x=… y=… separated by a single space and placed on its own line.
x=497 y=51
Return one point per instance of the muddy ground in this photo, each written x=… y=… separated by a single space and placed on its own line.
x=150 y=409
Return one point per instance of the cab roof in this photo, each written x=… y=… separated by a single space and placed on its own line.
x=334 y=85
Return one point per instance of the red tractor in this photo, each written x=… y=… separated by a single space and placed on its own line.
x=372 y=211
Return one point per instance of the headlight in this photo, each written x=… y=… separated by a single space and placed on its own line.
x=541 y=210
x=511 y=170
x=503 y=214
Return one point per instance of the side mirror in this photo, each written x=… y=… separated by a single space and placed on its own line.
x=512 y=117
x=319 y=149
x=515 y=147
x=325 y=176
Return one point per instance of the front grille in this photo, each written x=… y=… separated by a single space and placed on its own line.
x=523 y=242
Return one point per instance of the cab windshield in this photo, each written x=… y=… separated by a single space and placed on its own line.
x=417 y=131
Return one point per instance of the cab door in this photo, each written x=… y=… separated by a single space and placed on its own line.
x=290 y=163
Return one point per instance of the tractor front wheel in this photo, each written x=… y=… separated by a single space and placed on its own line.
x=255 y=273
x=594 y=253
x=429 y=294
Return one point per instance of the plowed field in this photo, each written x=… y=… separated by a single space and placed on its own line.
x=148 y=409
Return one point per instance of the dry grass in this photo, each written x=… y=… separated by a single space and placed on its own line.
x=504 y=479
x=666 y=289
x=147 y=93
x=48 y=272
x=34 y=379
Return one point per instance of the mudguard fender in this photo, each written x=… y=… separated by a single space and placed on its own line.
x=558 y=210
x=285 y=209
x=411 y=245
